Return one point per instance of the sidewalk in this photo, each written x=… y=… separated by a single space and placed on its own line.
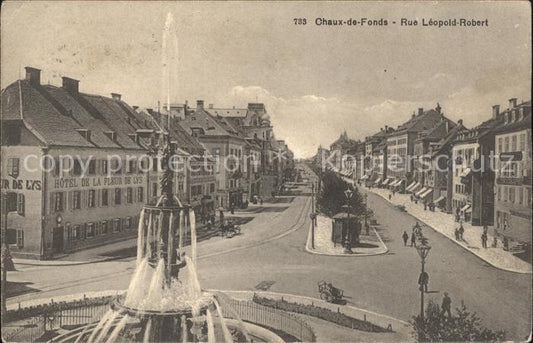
x=107 y=252
x=369 y=245
x=445 y=224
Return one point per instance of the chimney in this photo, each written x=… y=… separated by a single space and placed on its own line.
x=447 y=126
x=420 y=111
x=460 y=122
x=512 y=103
x=71 y=85
x=116 y=96
x=414 y=115
x=495 y=111
x=438 y=108
x=210 y=106
x=199 y=104
x=386 y=128
x=33 y=75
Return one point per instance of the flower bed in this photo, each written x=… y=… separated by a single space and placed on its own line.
x=321 y=313
x=38 y=310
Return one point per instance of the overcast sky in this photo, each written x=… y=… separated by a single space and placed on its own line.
x=316 y=81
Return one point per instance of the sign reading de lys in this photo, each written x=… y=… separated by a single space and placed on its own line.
x=31 y=185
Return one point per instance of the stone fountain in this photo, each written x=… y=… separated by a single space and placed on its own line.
x=158 y=306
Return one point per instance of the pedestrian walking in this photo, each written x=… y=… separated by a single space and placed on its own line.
x=456 y=231
x=261 y=201
x=390 y=196
x=446 y=305
x=405 y=237
x=423 y=281
x=412 y=198
x=461 y=231
x=425 y=205
x=413 y=239
x=484 y=240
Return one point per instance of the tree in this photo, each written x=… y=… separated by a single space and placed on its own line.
x=331 y=198
x=464 y=326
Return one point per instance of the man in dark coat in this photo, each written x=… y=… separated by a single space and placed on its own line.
x=446 y=305
x=413 y=239
x=405 y=237
x=423 y=281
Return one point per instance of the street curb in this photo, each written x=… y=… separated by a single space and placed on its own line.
x=457 y=243
x=65 y=264
x=310 y=251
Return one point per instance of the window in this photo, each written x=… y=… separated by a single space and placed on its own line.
x=505 y=194
x=127 y=223
x=12 y=202
x=513 y=143
x=77 y=168
x=523 y=142
x=91 y=198
x=103 y=227
x=506 y=145
x=92 y=167
x=76 y=232
x=500 y=144
x=212 y=188
x=499 y=191
x=90 y=230
x=76 y=200
x=140 y=194
x=11 y=236
x=116 y=225
x=521 y=195
x=105 y=197
x=104 y=166
x=118 y=195
x=129 y=195
x=20 y=204
x=13 y=167
x=20 y=239
x=511 y=194
x=58 y=202
x=116 y=165
x=528 y=190
x=154 y=189
x=131 y=167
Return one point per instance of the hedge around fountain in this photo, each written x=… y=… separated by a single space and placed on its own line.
x=321 y=313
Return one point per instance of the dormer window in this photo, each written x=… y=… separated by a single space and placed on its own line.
x=134 y=137
x=111 y=135
x=85 y=133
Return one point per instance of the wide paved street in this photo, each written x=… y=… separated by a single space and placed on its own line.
x=271 y=248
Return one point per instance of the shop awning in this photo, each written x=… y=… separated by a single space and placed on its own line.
x=466 y=172
x=415 y=187
x=421 y=191
x=408 y=188
x=378 y=181
x=364 y=177
x=386 y=182
x=398 y=183
x=465 y=207
x=439 y=199
x=426 y=193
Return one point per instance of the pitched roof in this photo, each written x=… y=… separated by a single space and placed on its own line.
x=228 y=112
x=423 y=121
x=211 y=126
x=58 y=115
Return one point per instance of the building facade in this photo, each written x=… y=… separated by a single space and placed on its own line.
x=512 y=215
x=73 y=167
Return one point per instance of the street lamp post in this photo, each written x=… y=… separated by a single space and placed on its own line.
x=366 y=213
x=423 y=251
x=347 y=241
x=312 y=215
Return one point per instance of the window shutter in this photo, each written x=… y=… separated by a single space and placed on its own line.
x=69 y=201
x=98 y=200
x=20 y=204
x=85 y=198
x=112 y=196
x=52 y=204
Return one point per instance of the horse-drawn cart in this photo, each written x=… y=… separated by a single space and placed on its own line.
x=329 y=293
